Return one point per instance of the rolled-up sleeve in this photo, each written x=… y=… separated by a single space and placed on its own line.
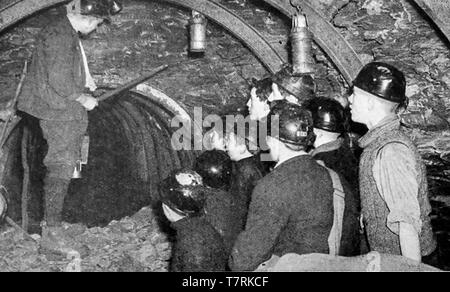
x=396 y=179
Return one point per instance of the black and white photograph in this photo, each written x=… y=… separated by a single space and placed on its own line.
x=264 y=137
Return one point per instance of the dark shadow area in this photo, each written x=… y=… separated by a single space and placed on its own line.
x=129 y=154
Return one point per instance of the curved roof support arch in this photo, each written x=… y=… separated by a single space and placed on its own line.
x=15 y=10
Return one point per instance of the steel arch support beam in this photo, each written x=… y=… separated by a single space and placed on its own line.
x=327 y=37
x=253 y=39
x=18 y=10
x=439 y=13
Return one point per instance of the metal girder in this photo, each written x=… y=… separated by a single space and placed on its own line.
x=17 y=10
x=325 y=34
x=439 y=13
x=327 y=37
x=251 y=37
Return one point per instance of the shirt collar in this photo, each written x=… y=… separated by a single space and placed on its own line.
x=327 y=147
x=385 y=126
x=305 y=156
x=183 y=223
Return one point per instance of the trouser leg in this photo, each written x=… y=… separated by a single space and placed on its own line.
x=64 y=144
x=55 y=193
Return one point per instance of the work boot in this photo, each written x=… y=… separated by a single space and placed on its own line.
x=56 y=244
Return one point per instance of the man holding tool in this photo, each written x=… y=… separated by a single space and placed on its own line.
x=55 y=91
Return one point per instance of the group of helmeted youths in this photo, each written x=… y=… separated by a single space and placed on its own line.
x=232 y=212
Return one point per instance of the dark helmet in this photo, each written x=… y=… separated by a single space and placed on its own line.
x=183 y=192
x=3 y=203
x=328 y=114
x=295 y=124
x=215 y=168
x=302 y=87
x=382 y=80
x=101 y=8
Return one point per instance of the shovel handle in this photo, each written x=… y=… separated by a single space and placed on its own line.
x=132 y=83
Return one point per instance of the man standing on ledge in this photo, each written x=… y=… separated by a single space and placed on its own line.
x=55 y=92
x=393 y=185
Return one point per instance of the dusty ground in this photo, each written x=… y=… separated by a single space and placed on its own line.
x=133 y=244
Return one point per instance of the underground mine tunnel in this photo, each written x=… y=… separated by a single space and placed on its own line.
x=129 y=134
x=129 y=154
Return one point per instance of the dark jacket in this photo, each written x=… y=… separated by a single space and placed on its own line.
x=56 y=76
x=245 y=175
x=221 y=211
x=198 y=247
x=338 y=156
x=291 y=212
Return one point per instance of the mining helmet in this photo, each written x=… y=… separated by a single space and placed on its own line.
x=3 y=203
x=295 y=124
x=301 y=86
x=215 y=168
x=183 y=192
x=382 y=80
x=328 y=114
x=98 y=8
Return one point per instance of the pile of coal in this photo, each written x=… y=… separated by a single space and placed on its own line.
x=133 y=244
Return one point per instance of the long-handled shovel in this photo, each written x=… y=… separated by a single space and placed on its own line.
x=132 y=83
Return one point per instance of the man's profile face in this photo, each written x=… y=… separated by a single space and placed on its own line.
x=257 y=108
x=84 y=24
x=359 y=105
x=216 y=141
x=233 y=149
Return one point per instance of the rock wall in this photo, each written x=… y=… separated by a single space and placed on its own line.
x=149 y=33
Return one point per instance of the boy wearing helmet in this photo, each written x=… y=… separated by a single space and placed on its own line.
x=332 y=148
x=291 y=210
x=332 y=143
x=198 y=246
x=393 y=184
x=221 y=208
x=284 y=85
x=242 y=148
x=54 y=91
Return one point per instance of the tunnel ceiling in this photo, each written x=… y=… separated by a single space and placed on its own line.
x=131 y=134
x=335 y=43
x=326 y=36
x=330 y=40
